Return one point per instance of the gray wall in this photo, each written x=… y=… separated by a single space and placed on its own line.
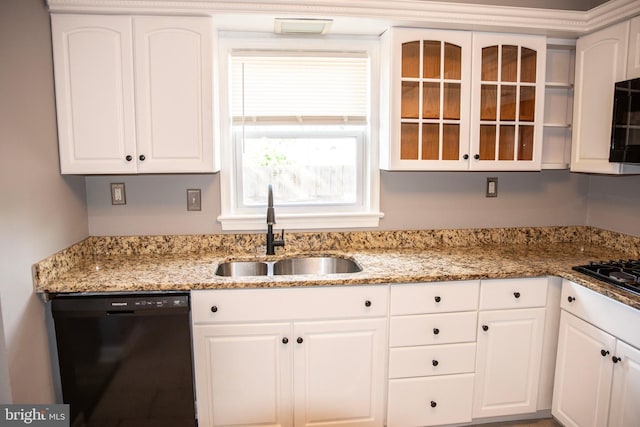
x=614 y=203
x=156 y=204
x=41 y=212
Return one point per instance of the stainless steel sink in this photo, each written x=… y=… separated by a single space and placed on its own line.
x=315 y=265
x=242 y=268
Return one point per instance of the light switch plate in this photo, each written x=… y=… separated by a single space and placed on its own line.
x=492 y=187
x=118 y=196
x=193 y=200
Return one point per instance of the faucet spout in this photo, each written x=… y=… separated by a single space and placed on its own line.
x=271 y=213
x=272 y=242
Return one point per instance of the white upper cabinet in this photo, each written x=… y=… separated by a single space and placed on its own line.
x=446 y=105
x=507 y=102
x=134 y=94
x=173 y=69
x=93 y=63
x=633 y=59
x=426 y=87
x=601 y=60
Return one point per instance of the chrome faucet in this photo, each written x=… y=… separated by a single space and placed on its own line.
x=272 y=242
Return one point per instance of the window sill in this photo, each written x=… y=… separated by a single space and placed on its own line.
x=302 y=221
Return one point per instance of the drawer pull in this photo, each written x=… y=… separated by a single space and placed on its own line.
x=571 y=299
x=485 y=328
x=438 y=299
x=604 y=352
x=299 y=340
x=616 y=359
x=433 y=404
x=434 y=362
x=436 y=331
x=516 y=294
x=367 y=303
x=214 y=308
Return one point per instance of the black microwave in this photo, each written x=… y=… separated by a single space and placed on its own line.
x=625 y=126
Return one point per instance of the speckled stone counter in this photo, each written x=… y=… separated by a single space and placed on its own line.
x=161 y=263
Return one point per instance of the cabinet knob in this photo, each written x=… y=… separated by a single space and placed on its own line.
x=604 y=352
x=285 y=340
x=571 y=299
x=485 y=328
x=434 y=362
x=476 y=156
x=616 y=359
x=438 y=299
x=436 y=331
x=516 y=294
x=142 y=157
x=367 y=303
x=466 y=157
x=128 y=158
x=214 y=308
x=433 y=404
x=299 y=340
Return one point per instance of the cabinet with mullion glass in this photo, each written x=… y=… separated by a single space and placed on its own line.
x=508 y=102
x=427 y=85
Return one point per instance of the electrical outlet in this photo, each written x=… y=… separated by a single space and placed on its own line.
x=492 y=187
x=193 y=200
x=118 y=196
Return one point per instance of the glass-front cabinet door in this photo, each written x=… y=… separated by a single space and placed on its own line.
x=507 y=102
x=426 y=84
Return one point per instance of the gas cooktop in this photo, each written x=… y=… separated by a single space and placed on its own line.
x=623 y=273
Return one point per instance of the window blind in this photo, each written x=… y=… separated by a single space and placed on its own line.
x=278 y=87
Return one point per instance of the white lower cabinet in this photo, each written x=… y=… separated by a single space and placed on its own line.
x=318 y=364
x=625 y=391
x=243 y=374
x=508 y=362
x=597 y=380
x=432 y=353
x=510 y=342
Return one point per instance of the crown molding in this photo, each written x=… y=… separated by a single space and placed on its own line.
x=413 y=13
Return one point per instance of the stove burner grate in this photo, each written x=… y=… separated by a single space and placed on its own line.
x=623 y=273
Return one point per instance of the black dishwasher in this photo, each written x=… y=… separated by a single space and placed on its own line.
x=125 y=360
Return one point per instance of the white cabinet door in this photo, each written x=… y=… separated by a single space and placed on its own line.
x=633 y=59
x=508 y=361
x=425 y=79
x=601 y=60
x=243 y=374
x=173 y=69
x=93 y=64
x=583 y=374
x=625 y=392
x=339 y=373
x=507 y=102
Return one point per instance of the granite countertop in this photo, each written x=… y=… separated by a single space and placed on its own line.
x=169 y=264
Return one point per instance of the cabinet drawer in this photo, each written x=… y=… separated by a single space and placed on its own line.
x=432 y=360
x=430 y=329
x=439 y=297
x=240 y=305
x=607 y=314
x=513 y=293
x=430 y=401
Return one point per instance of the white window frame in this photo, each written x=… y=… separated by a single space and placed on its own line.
x=232 y=216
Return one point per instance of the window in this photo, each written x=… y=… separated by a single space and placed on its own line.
x=297 y=114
